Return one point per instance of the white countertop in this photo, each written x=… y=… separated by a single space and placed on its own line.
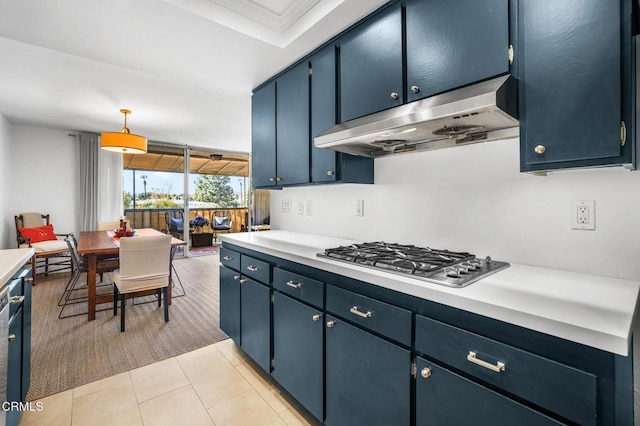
x=593 y=310
x=11 y=260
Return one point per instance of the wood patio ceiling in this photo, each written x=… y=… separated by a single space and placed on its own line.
x=202 y=162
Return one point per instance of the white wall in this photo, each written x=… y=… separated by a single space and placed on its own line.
x=5 y=182
x=43 y=177
x=474 y=198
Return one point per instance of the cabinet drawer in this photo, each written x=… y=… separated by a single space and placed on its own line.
x=256 y=269
x=383 y=318
x=564 y=390
x=298 y=286
x=230 y=258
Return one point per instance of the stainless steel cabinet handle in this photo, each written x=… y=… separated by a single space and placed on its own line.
x=12 y=337
x=330 y=324
x=242 y=281
x=316 y=317
x=354 y=310
x=425 y=372
x=252 y=268
x=272 y=179
x=500 y=366
x=278 y=179
x=16 y=300
x=394 y=95
x=227 y=258
x=29 y=280
x=294 y=284
x=330 y=172
x=415 y=89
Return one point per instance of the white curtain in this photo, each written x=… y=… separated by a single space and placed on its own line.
x=89 y=147
x=110 y=203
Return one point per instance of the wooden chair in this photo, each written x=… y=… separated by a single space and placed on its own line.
x=220 y=222
x=144 y=268
x=49 y=254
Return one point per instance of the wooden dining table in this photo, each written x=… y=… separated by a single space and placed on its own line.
x=100 y=250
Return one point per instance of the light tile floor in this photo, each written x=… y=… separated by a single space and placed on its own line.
x=214 y=385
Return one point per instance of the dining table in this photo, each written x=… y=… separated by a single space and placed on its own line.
x=100 y=250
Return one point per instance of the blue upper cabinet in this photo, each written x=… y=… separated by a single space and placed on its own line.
x=451 y=44
x=371 y=65
x=328 y=165
x=575 y=89
x=280 y=130
x=263 y=136
x=292 y=118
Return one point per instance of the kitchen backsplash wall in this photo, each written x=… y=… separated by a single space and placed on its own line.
x=474 y=198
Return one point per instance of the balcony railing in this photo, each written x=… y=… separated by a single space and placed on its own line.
x=155 y=218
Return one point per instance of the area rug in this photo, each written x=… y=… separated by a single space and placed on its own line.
x=204 y=251
x=70 y=352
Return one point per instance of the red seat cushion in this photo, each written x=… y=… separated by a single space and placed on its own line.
x=41 y=233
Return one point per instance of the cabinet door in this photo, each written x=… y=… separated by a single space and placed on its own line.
x=263 y=136
x=298 y=351
x=255 y=322
x=570 y=88
x=371 y=65
x=367 y=378
x=14 y=366
x=445 y=398
x=451 y=44
x=323 y=112
x=292 y=112
x=230 y=303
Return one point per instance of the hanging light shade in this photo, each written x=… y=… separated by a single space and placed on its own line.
x=124 y=141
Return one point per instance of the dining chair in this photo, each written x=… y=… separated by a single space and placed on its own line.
x=221 y=222
x=34 y=230
x=144 y=267
x=108 y=225
x=79 y=268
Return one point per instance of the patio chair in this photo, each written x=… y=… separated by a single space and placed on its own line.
x=34 y=230
x=175 y=223
x=221 y=222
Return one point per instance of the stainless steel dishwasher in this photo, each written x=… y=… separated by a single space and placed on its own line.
x=4 y=349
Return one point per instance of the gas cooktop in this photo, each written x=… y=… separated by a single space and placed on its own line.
x=453 y=269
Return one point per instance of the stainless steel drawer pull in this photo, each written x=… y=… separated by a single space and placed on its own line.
x=243 y=280
x=227 y=258
x=500 y=366
x=294 y=284
x=316 y=317
x=236 y=277
x=12 y=337
x=16 y=300
x=354 y=310
x=330 y=324
x=252 y=268
x=426 y=372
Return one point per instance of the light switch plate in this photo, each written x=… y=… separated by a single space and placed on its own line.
x=286 y=206
x=359 y=208
x=308 y=207
x=300 y=207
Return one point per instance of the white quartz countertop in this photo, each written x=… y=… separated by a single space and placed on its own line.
x=11 y=260
x=593 y=310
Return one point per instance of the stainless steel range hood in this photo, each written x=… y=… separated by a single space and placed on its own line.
x=477 y=113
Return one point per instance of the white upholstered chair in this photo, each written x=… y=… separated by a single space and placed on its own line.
x=52 y=253
x=109 y=225
x=144 y=267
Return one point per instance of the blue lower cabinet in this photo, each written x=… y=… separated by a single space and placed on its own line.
x=230 y=303
x=298 y=350
x=14 y=366
x=368 y=379
x=445 y=398
x=26 y=341
x=255 y=322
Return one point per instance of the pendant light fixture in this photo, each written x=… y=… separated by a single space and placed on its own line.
x=124 y=141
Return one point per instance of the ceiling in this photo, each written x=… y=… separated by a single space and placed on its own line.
x=186 y=68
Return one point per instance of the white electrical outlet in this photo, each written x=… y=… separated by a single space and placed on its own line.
x=286 y=206
x=583 y=215
x=360 y=208
x=300 y=207
x=308 y=207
